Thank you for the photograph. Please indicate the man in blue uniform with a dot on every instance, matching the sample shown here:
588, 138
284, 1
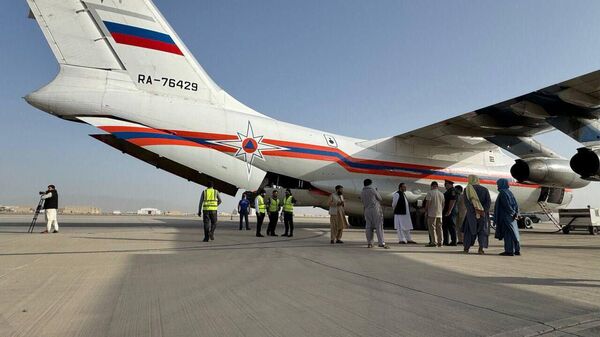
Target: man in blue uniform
243, 210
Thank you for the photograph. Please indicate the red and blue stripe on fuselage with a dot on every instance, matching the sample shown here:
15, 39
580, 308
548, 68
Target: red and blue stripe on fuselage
151, 137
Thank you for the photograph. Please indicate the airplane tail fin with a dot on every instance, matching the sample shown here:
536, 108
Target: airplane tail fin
131, 37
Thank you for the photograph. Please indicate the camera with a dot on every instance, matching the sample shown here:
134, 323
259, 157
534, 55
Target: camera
41, 193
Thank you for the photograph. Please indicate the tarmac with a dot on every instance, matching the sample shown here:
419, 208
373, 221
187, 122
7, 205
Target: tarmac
152, 276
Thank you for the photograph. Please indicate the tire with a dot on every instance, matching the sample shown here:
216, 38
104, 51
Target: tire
593, 230
528, 223
536, 219
356, 221
566, 229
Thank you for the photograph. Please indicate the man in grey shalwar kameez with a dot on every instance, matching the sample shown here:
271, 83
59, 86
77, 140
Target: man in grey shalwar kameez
371, 200
477, 220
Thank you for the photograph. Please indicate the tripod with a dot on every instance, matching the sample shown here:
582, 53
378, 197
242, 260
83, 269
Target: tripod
35, 216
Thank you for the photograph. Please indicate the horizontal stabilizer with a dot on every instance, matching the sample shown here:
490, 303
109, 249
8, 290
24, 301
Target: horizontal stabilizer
183, 157
165, 164
73, 36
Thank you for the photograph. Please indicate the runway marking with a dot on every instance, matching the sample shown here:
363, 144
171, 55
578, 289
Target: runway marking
20, 267
581, 320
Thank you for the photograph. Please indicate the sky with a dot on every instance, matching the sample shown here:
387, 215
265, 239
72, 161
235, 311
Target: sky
366, 69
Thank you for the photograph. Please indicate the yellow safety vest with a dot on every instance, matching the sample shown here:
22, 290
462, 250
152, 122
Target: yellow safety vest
262, 208
288, 206
210, 201
274, 205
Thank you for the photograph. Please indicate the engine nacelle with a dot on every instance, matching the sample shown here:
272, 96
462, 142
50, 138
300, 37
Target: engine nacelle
586, 163
547, 172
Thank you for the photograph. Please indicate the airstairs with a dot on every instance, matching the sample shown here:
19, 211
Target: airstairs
548, 212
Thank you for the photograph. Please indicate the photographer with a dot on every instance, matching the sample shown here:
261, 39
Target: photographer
50, 208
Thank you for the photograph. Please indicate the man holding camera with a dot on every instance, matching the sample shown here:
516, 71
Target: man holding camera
50, 208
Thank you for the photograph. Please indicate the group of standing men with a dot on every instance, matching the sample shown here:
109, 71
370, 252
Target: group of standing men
272, 206
468, 215
210, 200
454, 212
373, 213
441, 213
452, 217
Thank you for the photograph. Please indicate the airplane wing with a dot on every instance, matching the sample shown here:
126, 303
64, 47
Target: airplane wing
571, 106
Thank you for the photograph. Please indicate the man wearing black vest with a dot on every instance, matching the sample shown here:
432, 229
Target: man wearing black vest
273, 207
50, 208
448, 226
402, 220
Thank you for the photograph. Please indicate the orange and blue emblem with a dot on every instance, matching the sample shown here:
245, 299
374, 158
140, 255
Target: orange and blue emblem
249, 145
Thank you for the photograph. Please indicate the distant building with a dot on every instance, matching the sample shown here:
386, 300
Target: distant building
19, 209
149, 211
86, 210
174, 213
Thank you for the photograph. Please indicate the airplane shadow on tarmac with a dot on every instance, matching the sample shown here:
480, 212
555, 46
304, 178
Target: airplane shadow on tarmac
559, 282
311, 288
305, 287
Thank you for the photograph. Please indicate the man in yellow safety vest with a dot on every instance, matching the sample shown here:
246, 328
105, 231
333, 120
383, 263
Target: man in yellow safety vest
261, 211
209, 204
273, 208
288, 213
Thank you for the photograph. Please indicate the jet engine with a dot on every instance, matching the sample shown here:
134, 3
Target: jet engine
547, 172
586, 163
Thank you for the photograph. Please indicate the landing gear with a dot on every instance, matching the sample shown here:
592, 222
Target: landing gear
525, 222
528, 223
593, 230
356, 221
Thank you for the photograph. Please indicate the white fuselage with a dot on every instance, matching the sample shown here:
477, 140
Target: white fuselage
320, 158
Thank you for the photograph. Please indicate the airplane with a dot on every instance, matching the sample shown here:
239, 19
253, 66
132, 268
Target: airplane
124, 70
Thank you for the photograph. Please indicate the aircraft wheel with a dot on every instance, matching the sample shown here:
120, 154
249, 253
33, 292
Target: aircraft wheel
566, 229
356, 221
528, 223
593, 230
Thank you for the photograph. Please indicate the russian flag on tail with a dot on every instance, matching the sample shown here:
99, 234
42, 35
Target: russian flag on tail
140, 37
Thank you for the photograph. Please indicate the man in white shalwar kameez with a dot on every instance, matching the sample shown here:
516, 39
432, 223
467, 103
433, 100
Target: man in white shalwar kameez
402, 220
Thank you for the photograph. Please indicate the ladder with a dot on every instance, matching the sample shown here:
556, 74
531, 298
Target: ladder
549, 214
